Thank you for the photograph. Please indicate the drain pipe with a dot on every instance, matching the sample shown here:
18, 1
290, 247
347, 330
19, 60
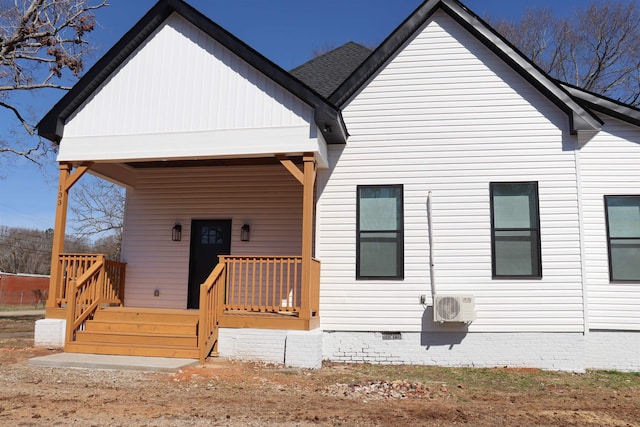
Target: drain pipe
432, 274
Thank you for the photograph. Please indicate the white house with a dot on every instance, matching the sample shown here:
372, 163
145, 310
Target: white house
439, 200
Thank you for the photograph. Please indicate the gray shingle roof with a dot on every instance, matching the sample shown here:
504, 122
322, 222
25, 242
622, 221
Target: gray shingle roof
326, 72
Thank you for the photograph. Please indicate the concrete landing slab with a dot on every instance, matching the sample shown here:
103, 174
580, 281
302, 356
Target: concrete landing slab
103, 361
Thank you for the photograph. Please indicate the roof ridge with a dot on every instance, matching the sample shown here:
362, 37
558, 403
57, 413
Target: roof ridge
326, 72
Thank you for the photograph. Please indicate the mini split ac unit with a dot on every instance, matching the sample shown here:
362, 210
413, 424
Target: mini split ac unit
454, 308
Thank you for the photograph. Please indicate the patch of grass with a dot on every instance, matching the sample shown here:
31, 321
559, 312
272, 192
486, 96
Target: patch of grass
19, 308
506, 380
615, 380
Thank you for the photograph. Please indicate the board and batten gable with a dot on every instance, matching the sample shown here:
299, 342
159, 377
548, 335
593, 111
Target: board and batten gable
609, 164
182, 94
446, 115
267, 197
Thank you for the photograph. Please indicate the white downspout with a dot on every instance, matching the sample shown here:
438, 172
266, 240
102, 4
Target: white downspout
583, 262
432, 273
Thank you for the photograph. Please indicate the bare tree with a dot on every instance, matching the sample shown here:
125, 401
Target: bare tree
28, 251
24, 251
597, 48
42, 42
97, 208
109, 245
325, 48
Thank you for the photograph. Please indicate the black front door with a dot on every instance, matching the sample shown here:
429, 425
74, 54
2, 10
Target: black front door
209, 238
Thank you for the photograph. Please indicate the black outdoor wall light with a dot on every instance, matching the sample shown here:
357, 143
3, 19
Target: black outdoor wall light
245, 233
176, 233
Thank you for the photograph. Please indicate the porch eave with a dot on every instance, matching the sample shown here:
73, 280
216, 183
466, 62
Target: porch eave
198, 145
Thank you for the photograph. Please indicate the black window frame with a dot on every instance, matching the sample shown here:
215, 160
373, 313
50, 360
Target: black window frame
609, 238
399, 235
536, 229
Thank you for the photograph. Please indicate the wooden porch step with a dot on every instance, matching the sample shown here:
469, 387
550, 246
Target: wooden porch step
147, 315
139, 332
138, 338
141, 327
129, 350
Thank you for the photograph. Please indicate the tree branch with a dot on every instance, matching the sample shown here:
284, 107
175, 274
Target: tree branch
25, 124
27, 154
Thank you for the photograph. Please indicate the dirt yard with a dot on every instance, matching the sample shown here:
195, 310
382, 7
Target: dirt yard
230, 393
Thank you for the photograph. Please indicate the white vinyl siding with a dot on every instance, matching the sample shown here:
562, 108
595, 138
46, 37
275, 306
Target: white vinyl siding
181, 80
182, 83
446, 115
609, 165
266, 197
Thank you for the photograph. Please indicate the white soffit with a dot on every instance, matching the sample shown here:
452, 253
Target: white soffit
194, 145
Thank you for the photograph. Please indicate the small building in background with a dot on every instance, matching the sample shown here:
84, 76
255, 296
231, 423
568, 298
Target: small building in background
23, 289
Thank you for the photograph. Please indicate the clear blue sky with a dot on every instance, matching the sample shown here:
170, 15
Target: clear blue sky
285, 31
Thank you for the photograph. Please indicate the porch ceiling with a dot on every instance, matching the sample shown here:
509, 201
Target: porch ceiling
125, 173
211, 162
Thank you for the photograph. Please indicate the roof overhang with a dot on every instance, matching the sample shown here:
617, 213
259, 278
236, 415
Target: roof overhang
327, 116
603, 104
580, 119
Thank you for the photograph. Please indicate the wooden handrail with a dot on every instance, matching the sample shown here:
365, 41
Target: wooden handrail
258, 284
100, 282
84, 295
211, 296
70, 268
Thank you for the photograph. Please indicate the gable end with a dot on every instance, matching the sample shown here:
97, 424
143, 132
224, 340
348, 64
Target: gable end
327, 116
579, 118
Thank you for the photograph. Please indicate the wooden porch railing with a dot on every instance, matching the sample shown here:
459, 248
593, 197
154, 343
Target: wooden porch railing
100, 282
211, 298
263, 284
254, 284
73, 266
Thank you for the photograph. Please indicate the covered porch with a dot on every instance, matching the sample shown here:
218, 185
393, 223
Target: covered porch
204, 150
89, 291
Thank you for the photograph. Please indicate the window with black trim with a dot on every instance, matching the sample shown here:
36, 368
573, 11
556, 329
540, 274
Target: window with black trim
515, 230
379, 232
623, 237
